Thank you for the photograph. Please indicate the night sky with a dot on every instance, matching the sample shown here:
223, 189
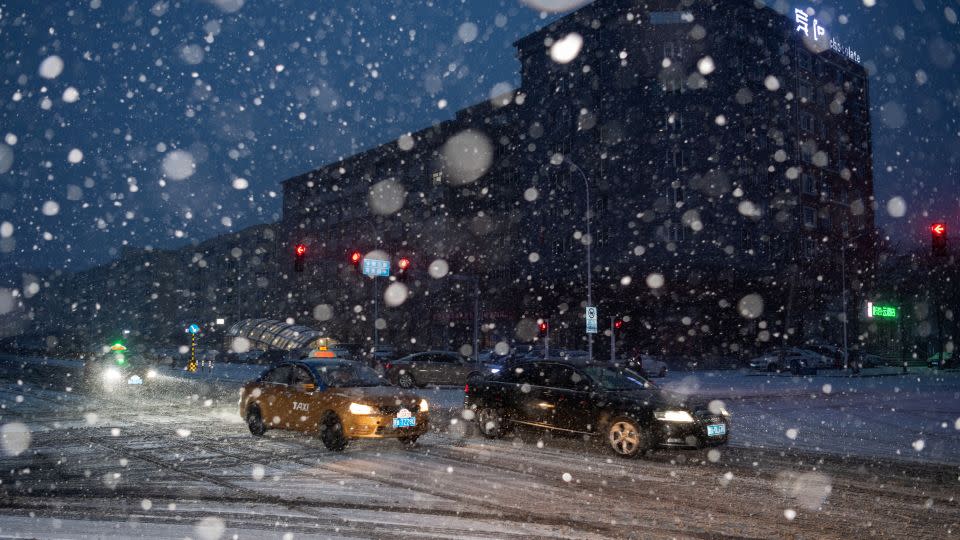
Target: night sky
258, 91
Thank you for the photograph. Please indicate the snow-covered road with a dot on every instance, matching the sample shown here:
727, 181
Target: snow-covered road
180, 463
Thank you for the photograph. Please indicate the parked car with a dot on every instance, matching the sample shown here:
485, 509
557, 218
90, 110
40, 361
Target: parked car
948, 361
652, 367
789, 358
431, 367
617, 404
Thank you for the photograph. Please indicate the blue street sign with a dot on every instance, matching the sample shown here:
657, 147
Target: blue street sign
591, 319
193, 329
376, 268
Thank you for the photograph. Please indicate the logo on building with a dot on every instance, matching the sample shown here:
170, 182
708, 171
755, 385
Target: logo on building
811, 28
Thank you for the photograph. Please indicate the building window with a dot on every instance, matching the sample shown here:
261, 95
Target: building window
809, 248
806, 121
676, 194
674, 232
668, 49
809, 184
674, 122
806, 92
809, 217
826, 222
675, 158
437, 177
805, 60
670, 17
673, 83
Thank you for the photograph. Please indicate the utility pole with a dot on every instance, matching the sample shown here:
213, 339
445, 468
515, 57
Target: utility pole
613, 339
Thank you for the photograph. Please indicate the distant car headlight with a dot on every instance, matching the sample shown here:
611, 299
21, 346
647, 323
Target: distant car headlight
673, 416
152, 374
494, 370
360, 409
724, 412
424, 406
111, 374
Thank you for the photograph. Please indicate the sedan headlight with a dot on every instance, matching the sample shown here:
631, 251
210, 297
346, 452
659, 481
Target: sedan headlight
673, 416
360, 409
111, 374
424, 406
151, 374
494, 370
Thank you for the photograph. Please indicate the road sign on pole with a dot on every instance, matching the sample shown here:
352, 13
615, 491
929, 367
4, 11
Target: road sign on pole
376, 268
591, 319
193, 330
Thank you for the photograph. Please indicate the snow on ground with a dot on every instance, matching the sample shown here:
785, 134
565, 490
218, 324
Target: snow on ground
178, 462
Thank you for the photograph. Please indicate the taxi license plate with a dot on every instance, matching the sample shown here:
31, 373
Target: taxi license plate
716, 430
135, 380
404, 422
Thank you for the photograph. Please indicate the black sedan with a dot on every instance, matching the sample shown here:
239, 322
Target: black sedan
579, 397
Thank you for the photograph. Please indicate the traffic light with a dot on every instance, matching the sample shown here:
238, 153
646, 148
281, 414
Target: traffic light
618, 324
355, 259
402, 266
938, 239
299, 256
544, 326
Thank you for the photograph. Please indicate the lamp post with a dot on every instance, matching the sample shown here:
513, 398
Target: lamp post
843, 282
589, 242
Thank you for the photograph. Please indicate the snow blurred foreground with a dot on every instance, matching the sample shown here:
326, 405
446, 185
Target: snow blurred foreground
809, 454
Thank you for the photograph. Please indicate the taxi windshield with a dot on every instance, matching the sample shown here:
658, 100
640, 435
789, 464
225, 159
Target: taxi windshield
618, 379
348, 375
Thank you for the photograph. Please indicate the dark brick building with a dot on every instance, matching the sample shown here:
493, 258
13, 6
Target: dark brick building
728, 159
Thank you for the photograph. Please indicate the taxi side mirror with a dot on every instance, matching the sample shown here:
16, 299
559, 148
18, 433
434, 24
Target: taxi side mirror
306, 387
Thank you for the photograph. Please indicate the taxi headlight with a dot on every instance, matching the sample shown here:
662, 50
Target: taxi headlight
724, 412
151, 374
360, 409
111, 374
424, 406
673, 416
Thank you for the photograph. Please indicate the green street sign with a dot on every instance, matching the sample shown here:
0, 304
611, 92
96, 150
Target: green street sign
876, 311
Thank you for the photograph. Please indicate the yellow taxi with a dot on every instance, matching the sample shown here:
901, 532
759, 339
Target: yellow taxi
337, 399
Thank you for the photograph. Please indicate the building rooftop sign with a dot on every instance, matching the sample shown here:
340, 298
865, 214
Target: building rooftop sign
811, 29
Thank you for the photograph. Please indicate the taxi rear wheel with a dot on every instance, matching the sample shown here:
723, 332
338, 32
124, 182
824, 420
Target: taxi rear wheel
331, 433
405, 380
255, 422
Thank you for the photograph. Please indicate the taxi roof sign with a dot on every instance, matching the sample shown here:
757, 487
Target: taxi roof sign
117, 347
323, 353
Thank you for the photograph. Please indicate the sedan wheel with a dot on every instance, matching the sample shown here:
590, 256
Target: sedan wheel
406, 380
490, 422
627, 438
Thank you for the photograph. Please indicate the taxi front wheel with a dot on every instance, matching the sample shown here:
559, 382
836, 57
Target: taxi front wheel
331, 433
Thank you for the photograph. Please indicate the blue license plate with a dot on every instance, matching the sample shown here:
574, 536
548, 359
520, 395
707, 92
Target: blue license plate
404, 422
716, 430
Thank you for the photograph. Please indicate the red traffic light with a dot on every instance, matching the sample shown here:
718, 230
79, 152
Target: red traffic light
356, 257
938, 229
617, 324
403, 263
300, 250
544, 326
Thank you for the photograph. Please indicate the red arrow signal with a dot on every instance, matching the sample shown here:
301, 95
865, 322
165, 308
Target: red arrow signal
939, 229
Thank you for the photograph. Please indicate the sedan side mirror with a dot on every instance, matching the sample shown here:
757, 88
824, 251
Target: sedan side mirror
306, 387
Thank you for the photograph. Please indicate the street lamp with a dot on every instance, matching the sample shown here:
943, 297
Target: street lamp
843, 281
589, 242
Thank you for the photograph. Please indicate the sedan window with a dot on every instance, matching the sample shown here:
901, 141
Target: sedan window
278, 375
618, 379
349, 375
